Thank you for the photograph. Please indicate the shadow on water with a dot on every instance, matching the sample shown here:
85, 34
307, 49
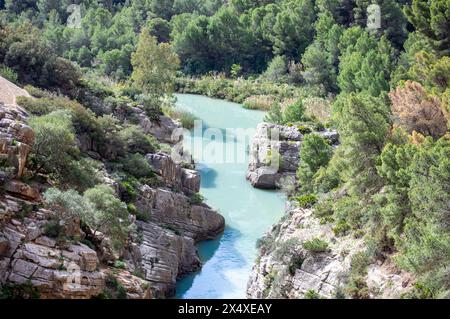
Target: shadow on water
208, 175
215, 256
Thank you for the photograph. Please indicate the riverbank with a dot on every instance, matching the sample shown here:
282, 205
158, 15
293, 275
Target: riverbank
251, 93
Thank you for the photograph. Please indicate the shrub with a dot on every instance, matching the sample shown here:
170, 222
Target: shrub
259, 102
316, 245
128, 190
286, 248
137, 166
136, 141
54, 143
274, 115
19, 291
38, 93
109, 214
294, 112
306, 201
120, 264
196, 199
187, 119
276, 70
53, 229
312, 294
418, 111
304, 129
9, 74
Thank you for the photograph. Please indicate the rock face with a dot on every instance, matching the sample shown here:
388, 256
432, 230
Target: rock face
174, 210
165, 256
272, 160
16, 138
172, 228
55, 270
160, 247
174, 175
285, 269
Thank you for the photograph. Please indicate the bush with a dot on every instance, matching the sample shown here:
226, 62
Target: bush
312, 294
286, 249
136, 141
53, 229
54, 143
316, 245
19, 291
9, 74
109, 215
186, 118
259, 102
128, 190
276, 70
137, 166
196, 199
306, 201
294, 112
120, 264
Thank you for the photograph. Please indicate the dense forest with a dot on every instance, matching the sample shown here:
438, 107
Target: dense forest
307, 62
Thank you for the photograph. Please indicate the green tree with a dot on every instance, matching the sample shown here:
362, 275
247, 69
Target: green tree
276, 70
154, 66
160, 29
109, 216
365, 63
294, 112
293, 30
54, 142
315, 153
432, 19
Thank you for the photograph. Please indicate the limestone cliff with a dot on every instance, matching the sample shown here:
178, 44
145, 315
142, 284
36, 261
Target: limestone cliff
84, 264
287, 268
301, 257
274, 154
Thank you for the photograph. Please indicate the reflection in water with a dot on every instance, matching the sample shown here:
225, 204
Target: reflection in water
249, 212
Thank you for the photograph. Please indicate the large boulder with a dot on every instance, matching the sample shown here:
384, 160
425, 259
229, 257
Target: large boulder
275, 154
173, 174
174, 210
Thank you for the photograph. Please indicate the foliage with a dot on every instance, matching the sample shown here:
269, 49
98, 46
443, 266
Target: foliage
110, 215
196, 199
294, 112
98, 208
306, 201
315, 245
418, 111
19, 291
154, 65
312, 294
315, 153
8, 74
136, 165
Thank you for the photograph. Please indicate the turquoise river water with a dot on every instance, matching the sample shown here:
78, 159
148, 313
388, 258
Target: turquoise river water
248, 212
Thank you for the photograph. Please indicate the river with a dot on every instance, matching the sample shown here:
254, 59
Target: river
248, 212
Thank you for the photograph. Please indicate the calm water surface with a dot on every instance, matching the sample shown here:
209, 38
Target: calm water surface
249, 212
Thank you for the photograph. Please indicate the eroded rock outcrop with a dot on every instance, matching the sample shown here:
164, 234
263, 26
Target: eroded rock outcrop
166, 256
173, 174
285, 269
274, 154
54, 269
